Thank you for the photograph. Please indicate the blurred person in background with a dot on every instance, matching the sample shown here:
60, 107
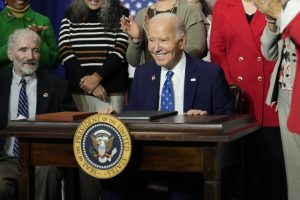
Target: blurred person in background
206, 8
92, 49
18, 15
237, 26
281, 42
136, 28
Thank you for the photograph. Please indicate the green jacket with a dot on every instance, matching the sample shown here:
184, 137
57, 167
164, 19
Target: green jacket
9, 23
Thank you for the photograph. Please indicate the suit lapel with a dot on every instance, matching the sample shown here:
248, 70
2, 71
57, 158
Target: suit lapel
257, 25
235, 15
155, 85
5, 91
190, 84
43, 94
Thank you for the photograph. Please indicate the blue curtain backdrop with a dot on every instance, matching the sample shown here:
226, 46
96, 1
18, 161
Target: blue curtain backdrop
54, 9
1, 5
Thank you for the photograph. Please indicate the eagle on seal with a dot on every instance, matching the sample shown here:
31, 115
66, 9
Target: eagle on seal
102, 143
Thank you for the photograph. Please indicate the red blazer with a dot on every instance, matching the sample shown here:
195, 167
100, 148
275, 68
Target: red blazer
292, 31
235, 46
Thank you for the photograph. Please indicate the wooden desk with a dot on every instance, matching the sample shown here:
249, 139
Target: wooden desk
177, 144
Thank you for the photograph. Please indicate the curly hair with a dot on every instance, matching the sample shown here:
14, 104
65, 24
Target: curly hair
109, 14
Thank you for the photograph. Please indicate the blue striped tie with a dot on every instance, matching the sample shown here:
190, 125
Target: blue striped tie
167, 94
22, 110
23, 100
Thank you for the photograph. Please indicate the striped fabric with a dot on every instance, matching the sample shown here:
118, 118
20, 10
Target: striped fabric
90, 43
23, 101
22, 111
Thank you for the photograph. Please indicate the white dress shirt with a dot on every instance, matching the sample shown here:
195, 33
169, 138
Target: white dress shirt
178, 83
31, 90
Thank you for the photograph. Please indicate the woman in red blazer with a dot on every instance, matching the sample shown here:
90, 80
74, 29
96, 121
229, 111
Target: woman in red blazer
235, 45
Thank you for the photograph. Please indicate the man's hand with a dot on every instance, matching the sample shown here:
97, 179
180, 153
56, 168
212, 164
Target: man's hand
196, 112
100, 93
89, 83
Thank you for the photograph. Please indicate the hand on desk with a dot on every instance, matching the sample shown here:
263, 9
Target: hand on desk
196, 112
107, 111
190, 112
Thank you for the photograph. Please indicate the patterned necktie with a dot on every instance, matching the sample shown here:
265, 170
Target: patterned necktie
23, 100
22, 110
167, 94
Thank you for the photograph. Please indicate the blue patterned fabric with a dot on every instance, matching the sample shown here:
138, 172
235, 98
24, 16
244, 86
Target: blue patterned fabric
23, 101
22, 111
167, 94
135, 5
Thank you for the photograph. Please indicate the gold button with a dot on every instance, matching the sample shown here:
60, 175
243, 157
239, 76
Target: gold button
241, 59
258, 58
239, 78
259, 78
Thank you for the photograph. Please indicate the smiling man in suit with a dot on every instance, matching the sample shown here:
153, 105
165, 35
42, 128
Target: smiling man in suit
199, 87
41, 93
172, 81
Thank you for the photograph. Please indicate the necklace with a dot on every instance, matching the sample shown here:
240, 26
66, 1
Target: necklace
170, 11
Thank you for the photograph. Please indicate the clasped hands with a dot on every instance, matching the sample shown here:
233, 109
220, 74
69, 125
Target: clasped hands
91, 85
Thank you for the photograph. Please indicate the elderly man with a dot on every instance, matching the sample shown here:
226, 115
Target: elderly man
25, 92
174, 81
197, 87
19, 15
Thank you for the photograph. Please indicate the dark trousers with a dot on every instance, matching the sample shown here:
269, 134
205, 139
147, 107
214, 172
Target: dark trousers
264, 166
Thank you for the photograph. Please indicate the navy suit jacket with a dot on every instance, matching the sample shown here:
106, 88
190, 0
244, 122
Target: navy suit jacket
54, 87
209, 91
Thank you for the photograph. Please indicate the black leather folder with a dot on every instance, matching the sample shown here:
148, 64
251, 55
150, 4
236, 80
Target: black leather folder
144, 115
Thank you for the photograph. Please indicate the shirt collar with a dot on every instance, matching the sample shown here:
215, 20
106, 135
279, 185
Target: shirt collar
17, 78
179, 68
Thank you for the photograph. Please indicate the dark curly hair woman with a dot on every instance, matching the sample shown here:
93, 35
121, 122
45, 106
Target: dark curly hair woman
92, 48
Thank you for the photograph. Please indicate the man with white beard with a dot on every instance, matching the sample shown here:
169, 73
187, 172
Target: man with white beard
44, 93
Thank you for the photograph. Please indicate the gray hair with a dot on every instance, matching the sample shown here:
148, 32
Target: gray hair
109, 14
179, 24
21, 33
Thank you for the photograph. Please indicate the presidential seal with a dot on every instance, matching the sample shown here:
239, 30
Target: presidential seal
102, 146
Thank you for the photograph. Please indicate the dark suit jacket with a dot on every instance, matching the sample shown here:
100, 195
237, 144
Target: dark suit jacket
55, 87
208, 92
